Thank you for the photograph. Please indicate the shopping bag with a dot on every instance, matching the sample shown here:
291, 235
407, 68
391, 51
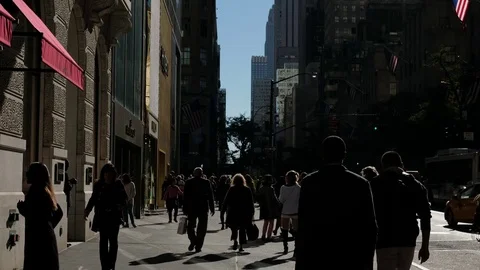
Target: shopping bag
252, 232
182, 226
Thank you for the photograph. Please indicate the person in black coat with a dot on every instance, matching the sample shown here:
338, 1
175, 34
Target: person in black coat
239, 206
336, 216
42, 214
198, 199
109, 198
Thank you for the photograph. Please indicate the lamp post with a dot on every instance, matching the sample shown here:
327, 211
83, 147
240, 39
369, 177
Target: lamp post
272, 117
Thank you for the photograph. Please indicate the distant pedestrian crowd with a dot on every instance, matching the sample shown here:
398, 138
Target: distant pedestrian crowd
333, 214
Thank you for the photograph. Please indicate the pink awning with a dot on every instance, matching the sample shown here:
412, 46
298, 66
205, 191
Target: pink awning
53, 53
5, 26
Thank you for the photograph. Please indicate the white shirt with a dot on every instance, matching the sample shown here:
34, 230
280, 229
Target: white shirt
289, 197
130, 190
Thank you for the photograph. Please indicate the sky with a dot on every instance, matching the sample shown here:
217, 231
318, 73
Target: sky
241, 34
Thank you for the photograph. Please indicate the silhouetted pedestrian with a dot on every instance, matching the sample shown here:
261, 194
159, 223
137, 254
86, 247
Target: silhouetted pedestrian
336, 217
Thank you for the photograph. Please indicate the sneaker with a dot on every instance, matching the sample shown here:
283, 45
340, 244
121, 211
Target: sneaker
134, 226
241, 249
191, 247
175, 219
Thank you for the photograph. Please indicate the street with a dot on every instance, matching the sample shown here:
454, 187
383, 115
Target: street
154, 244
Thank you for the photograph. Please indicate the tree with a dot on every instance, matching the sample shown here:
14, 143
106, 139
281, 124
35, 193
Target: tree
240, 133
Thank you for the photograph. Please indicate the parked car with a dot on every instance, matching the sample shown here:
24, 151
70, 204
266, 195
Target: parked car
462, 206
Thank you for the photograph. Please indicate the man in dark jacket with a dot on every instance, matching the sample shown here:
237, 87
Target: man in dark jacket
399, 198
336, 217
198, 199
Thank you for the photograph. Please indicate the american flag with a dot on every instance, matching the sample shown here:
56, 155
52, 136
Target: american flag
393, 62
193, 113
461, 7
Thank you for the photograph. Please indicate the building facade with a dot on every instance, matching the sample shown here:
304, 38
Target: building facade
200, 84
169, 96
128, 102
47, 118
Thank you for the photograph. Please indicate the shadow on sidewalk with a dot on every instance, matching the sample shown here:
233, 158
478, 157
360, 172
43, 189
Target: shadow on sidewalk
152, 224
162, 258
210, 258
268, 262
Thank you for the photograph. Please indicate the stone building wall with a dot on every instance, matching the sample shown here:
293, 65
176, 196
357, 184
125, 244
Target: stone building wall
68, 124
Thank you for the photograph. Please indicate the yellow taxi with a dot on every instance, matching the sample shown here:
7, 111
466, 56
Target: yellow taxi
462, 206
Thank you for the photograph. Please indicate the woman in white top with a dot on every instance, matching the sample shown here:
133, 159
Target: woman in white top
289, 197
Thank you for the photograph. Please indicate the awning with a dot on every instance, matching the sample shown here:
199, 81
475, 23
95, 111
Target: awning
53, 53
5, 26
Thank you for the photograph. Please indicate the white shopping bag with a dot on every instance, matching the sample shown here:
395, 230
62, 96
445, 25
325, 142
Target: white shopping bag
182, 226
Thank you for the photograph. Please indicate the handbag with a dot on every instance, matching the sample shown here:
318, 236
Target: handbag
252, 232
95, 224
182, 226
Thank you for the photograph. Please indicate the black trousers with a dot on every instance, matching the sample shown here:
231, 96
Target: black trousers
197, 237
172, 206
239, 233
108, 253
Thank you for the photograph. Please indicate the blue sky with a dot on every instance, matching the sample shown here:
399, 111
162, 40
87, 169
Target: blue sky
241, 34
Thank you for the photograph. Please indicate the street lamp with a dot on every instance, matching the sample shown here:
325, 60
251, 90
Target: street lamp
272, 121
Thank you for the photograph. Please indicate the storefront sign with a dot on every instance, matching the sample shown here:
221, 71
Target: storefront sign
129, 130
152, 126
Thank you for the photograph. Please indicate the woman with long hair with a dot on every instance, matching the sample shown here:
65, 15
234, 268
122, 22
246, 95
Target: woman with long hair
131, 192
239, 206
250, 183
269, 206
289, 197
108, 198
42, 214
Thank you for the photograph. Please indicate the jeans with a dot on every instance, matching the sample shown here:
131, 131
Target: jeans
108, 254
172, 206
128, 211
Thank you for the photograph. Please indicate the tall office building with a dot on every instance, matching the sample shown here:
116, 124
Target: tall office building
259, 68
270, 43
200, 84
341, 19
286, 23
260, 89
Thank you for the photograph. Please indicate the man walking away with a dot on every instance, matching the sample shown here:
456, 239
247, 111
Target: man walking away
336, 217
399, 198
198, 199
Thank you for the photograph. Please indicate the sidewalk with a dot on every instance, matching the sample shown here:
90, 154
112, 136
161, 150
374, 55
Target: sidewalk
155, 244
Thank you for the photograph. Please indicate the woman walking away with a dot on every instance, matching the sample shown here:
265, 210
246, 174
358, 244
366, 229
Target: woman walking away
131, 192
172, 195
108, 198
223, 186
42, 214
269, 206
289, 197
369, 173
240, 209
